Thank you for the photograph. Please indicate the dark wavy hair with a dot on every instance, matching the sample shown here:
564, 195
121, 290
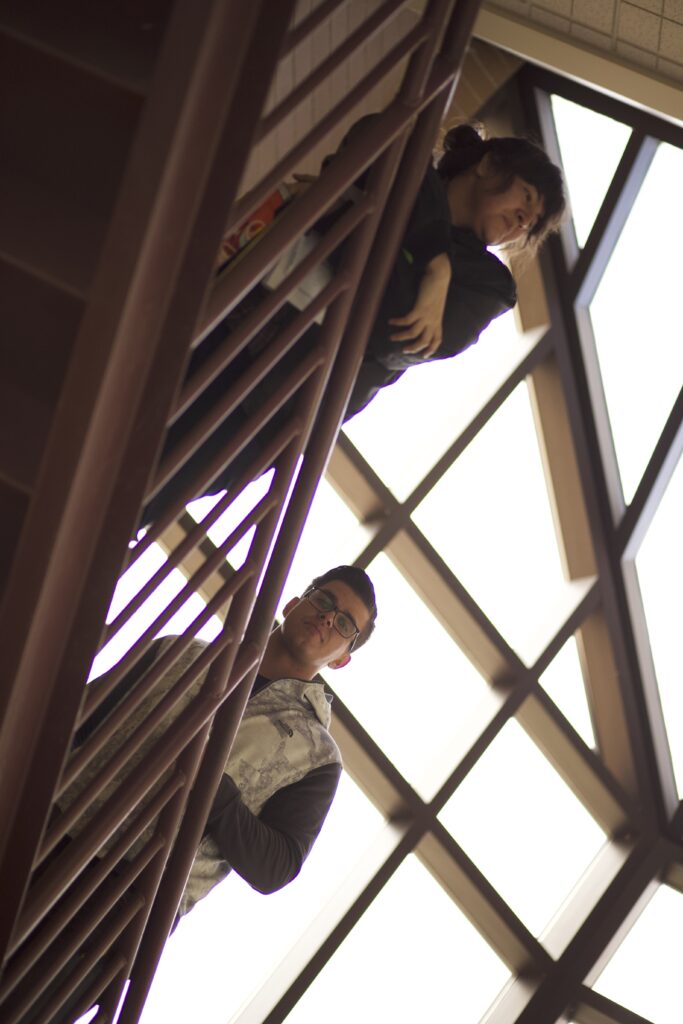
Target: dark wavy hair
361, 584
511, 157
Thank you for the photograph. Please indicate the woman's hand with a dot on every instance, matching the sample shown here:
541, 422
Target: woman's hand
423, 325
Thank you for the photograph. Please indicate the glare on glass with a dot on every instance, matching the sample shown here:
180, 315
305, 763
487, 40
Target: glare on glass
490, 520
581, 131
523, 827
637, 320
413, 956
411, 686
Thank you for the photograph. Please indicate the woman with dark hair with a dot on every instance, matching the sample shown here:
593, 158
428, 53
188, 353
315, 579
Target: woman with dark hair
446, 286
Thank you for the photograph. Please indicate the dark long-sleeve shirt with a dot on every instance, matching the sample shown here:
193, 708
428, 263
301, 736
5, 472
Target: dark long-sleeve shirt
481, 288
268, 849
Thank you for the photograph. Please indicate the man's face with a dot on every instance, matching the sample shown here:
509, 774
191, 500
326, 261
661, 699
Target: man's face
310, 635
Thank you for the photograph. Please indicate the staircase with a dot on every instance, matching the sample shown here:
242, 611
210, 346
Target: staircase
136, 135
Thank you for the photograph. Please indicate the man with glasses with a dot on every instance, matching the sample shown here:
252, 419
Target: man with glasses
282, 773
284, 767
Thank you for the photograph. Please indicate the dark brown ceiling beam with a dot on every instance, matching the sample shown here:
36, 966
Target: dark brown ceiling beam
602, 103
117, 44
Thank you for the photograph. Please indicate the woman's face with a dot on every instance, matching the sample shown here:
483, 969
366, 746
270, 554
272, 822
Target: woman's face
499, 218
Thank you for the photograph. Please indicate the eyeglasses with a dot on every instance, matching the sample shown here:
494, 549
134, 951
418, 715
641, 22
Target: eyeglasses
342, 622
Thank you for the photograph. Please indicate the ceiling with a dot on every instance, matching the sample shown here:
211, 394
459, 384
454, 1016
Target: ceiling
646, 35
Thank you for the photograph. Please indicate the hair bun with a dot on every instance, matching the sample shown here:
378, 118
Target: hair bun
462, 146
462, 136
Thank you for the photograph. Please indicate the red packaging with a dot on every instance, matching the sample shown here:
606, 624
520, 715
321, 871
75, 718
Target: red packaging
255, 225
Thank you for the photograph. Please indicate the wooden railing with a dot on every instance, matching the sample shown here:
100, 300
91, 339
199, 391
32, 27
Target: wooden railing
89, 898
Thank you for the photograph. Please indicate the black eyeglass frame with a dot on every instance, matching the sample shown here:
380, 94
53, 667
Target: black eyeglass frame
337, 611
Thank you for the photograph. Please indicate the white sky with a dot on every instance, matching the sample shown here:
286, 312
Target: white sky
413, 689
